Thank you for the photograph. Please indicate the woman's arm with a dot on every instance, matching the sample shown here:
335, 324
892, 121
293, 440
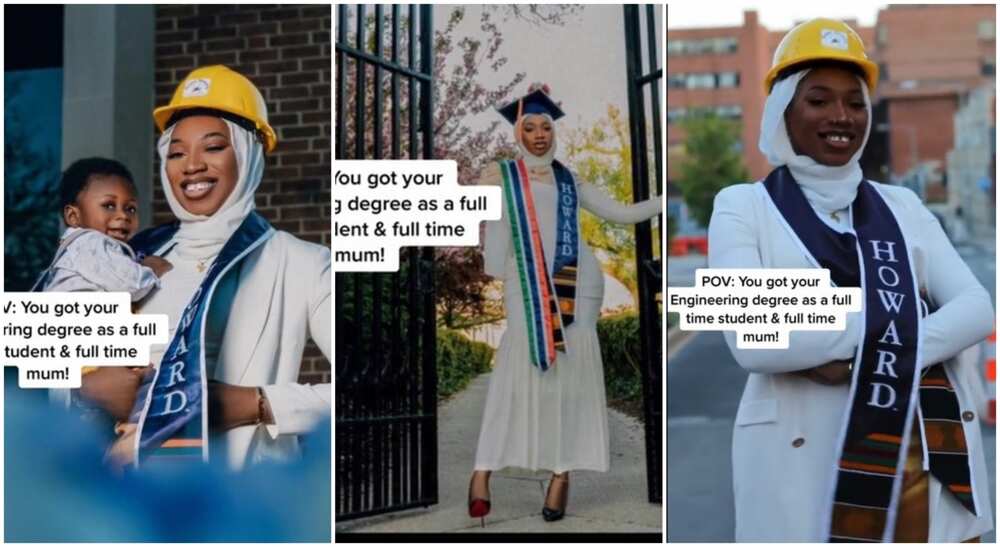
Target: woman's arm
496, 238
596, 201
732, 236
964, 315
297, 408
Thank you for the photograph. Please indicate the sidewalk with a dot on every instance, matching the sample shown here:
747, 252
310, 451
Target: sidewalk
599, 502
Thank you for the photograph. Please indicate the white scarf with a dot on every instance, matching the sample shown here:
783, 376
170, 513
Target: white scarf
530, 159
201, 237
828, 188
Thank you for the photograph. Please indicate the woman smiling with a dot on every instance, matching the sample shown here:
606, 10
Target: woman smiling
865, 434
241, 300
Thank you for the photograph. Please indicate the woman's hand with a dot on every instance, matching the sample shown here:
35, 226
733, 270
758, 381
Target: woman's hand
232, 406
113, 389
829, 374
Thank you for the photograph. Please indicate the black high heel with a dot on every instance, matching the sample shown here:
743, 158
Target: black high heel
562, 497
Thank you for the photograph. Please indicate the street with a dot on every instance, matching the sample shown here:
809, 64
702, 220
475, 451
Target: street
704, 385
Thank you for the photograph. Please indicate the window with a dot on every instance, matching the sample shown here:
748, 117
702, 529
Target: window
989, 67
729, 79
724, 45
882, 35
677, 81
706, 46
702, 80
732, 111
987, 29
729, 111
675, 115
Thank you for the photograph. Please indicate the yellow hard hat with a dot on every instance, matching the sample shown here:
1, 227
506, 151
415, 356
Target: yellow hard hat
219, 88
821, 39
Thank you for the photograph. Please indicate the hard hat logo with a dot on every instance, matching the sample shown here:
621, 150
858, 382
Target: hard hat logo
221, 89
197, 87
820, 40
834, 39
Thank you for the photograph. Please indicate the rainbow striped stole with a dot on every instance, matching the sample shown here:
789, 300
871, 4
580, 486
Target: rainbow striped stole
549, 300
171, 408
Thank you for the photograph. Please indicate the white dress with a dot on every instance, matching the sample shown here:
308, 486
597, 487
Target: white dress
554, 420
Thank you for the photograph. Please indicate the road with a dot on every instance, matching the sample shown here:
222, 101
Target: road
704, 384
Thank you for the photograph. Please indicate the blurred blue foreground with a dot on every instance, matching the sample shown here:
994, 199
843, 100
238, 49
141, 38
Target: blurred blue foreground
57, 490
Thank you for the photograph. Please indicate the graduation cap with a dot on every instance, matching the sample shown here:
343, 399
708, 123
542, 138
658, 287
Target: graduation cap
535, 102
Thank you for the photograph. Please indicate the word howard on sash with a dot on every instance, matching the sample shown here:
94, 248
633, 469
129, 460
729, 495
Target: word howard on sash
882, 390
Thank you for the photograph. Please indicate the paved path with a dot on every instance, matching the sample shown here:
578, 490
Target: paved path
599, 502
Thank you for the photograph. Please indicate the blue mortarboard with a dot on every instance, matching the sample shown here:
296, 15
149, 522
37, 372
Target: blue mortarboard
536, 102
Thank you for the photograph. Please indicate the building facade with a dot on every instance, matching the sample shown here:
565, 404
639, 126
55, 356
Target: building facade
931, 57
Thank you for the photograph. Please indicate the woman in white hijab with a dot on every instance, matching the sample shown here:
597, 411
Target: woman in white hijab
241, 299
865, 434
546, 407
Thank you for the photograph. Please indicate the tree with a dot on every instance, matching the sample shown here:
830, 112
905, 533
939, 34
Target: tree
602, 155
710, 162
31, 198
463, 291
462, 286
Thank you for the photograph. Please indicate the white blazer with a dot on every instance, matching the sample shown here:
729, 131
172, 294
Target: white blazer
282, 300
786, 426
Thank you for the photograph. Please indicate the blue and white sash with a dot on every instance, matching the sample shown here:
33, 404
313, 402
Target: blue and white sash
865, 488
171, 405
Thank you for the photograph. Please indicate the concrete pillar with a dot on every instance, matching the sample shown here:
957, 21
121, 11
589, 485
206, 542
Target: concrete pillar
108, 90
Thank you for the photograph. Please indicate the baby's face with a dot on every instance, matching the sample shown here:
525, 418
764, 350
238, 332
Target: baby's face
108, 205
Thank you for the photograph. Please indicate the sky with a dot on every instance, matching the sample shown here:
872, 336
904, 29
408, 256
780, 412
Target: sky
773, 15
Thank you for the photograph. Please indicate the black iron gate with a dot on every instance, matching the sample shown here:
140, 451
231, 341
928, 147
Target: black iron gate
386, 395
643, 81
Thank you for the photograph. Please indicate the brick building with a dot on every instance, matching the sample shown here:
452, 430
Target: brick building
285, 51
118, 62
931, 57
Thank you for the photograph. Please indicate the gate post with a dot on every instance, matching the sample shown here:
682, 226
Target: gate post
648, 268
386, 400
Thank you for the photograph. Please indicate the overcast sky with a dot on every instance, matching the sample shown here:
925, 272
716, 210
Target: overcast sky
773, 15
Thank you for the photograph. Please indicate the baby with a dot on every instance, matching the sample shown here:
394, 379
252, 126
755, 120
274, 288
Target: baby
98, 199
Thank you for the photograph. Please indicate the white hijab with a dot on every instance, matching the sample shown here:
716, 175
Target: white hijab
828, 188
530, 159
201, 237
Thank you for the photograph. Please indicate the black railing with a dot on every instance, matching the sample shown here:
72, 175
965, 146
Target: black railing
386, 397
643, 80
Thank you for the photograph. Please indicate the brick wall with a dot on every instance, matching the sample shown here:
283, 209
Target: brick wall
285, 51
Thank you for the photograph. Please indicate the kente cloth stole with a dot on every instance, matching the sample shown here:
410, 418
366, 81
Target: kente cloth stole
865, 486
945, 437
171, 407
549, 299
